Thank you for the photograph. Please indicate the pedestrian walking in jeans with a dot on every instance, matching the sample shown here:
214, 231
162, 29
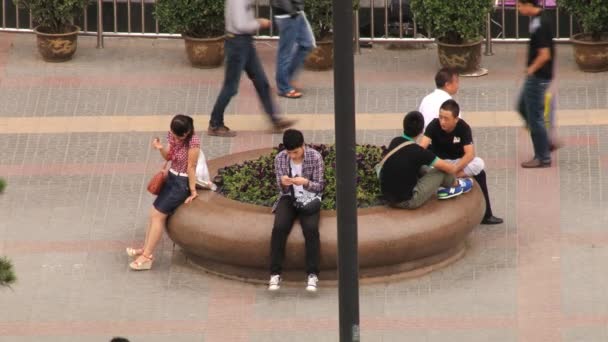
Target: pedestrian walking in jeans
295, 42
241, 55
299, 172
539, 73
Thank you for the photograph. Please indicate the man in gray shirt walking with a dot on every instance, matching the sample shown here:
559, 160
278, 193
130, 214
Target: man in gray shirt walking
241, 54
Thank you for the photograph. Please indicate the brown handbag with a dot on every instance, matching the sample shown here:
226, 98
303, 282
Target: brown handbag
158, 180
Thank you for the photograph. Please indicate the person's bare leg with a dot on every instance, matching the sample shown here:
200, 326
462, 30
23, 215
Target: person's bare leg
155, 232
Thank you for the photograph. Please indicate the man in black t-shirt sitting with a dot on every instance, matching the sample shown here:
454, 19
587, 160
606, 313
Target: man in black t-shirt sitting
451, 138
412, 175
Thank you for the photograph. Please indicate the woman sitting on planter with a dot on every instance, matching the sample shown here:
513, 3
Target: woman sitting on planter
180, 186
299, 172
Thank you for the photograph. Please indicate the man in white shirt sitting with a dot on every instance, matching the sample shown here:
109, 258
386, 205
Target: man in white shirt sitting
447, 83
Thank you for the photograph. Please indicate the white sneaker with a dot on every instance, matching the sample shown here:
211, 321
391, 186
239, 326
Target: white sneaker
311, 283
274, 283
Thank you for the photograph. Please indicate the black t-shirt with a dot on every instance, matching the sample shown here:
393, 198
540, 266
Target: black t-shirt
541, 36
449, 145
400, 172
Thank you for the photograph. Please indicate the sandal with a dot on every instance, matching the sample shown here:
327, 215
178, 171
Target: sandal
134, 252
142, 265
292, 94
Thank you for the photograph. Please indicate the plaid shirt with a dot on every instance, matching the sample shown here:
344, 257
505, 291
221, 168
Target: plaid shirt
312, 169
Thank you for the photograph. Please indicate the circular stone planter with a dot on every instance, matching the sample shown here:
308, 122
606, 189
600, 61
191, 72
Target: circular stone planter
232, 239
466, 58
57, 47
322, 57
205, 53
590, 56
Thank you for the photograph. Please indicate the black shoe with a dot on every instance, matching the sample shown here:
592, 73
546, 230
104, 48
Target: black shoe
491, 220
535, 163
220, 131
281, 124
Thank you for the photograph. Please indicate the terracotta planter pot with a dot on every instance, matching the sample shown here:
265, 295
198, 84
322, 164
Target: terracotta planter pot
590, 56
205, 52
56, 47
322, 57
466, 58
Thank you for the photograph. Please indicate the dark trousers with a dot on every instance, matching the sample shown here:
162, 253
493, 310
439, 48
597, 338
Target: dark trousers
241, 55
531, 106
483, 185
284, 218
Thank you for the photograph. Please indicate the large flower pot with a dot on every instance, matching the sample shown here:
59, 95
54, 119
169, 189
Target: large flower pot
56, 47
466, 58
591, 56
322, 57
232, 239
205, 52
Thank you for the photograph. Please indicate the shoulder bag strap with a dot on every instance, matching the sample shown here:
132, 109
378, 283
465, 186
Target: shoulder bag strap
381, 164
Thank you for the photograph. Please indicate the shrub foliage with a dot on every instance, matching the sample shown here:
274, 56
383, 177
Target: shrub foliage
254, 181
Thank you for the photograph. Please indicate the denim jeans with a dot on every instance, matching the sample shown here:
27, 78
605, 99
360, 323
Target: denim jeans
284, 218
241, 55
295, 42
531, 106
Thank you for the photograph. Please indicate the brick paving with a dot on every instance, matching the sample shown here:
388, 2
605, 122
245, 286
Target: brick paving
76, 199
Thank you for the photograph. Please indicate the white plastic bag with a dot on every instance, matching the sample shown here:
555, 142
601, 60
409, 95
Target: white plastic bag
202, 173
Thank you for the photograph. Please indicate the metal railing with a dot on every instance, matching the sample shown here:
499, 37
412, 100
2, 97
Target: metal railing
379, 21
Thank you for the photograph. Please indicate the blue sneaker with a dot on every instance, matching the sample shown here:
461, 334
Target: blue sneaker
466, 184
445, 193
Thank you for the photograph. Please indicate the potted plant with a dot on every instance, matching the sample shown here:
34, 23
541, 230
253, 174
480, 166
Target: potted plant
7, 275
56, 34
201, 23
591, 46
319, 14
458, 29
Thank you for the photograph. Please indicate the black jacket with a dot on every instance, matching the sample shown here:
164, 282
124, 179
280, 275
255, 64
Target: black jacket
290, 7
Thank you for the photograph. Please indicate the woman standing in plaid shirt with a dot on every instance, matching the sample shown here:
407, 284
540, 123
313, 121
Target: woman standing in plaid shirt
299, 172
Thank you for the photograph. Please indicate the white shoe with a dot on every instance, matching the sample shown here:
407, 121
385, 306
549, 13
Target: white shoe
274, 283
311, 283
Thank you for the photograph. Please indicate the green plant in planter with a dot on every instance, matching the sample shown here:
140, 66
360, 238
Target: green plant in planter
54, 16
2, 185
591, 14
7, 274
255, 181
193, 18
319, 14
451, 22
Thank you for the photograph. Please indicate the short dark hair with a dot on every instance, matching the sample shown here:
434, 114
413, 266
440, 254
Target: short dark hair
183, 125
452, 107
444, 75
413, 123
292, 139
536, 3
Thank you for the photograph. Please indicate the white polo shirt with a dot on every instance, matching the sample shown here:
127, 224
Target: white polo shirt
429, 107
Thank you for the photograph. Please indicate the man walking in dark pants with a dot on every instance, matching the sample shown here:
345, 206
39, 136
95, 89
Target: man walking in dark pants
295, 42
241, 55
539, 73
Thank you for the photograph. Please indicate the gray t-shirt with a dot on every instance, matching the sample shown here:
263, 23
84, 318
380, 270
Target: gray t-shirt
240, 17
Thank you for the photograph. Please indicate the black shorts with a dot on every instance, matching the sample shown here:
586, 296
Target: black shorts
173, 194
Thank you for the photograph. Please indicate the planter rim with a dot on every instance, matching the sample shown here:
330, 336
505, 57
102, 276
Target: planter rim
256, 207
476, 42
575, 39
212, 39
75, 31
